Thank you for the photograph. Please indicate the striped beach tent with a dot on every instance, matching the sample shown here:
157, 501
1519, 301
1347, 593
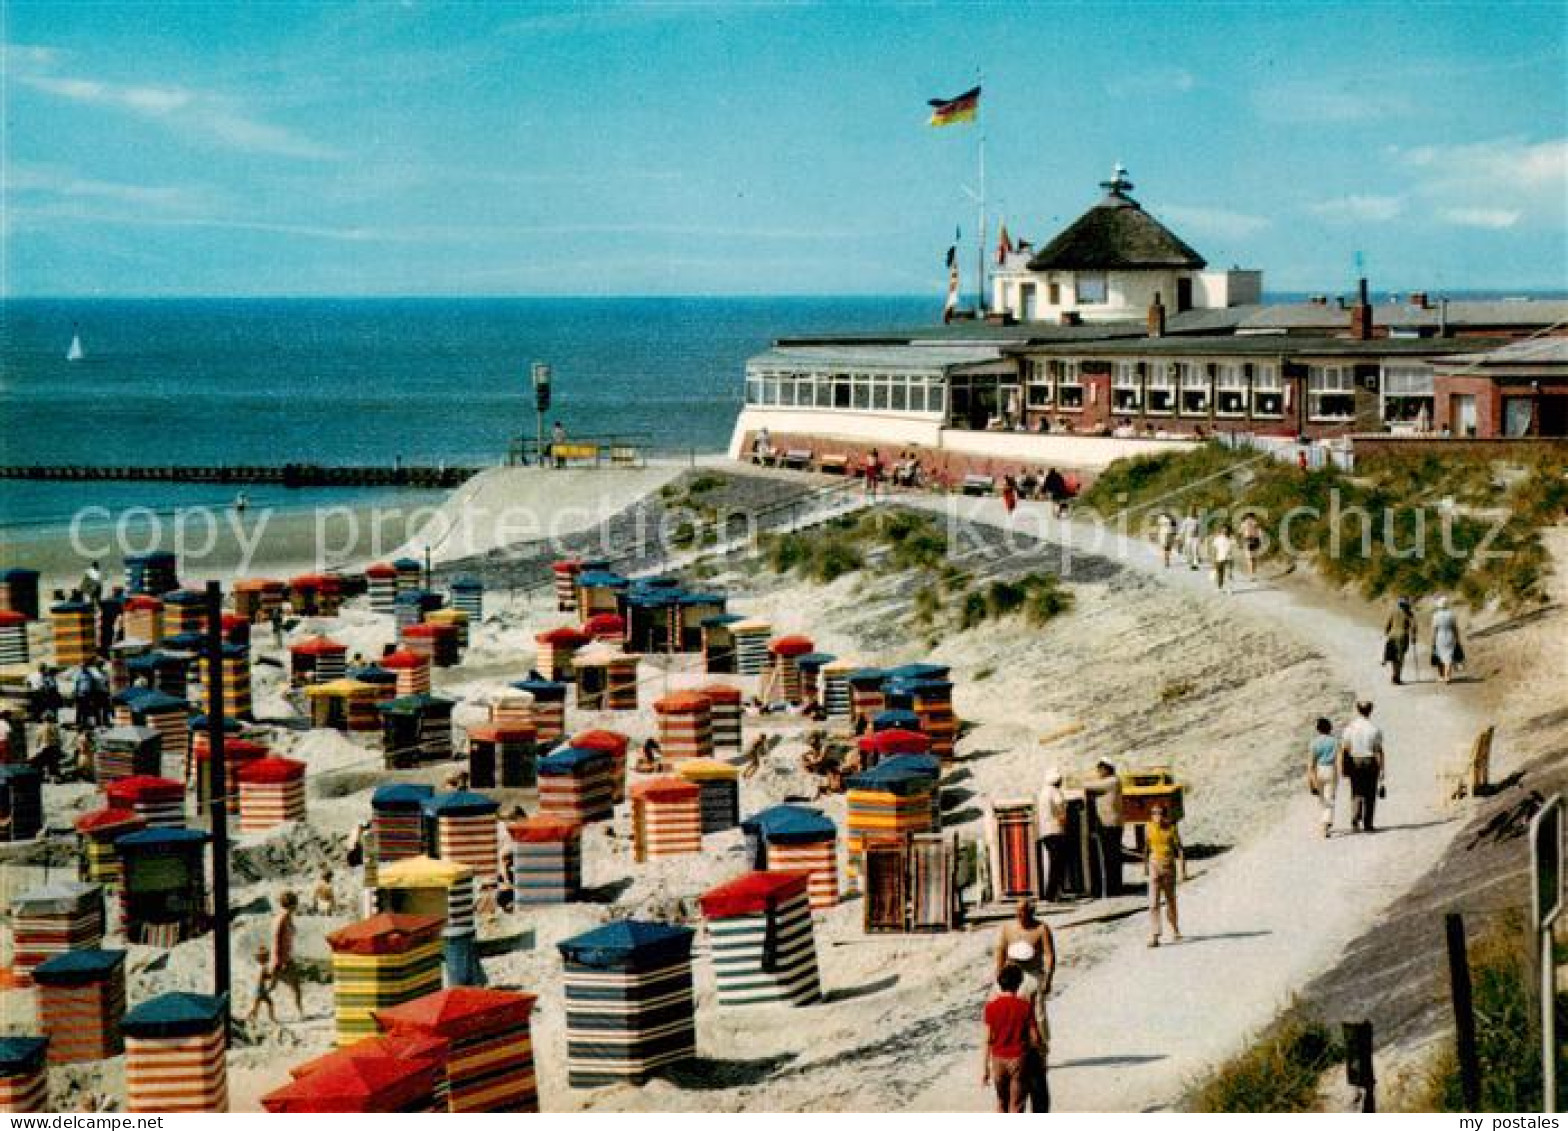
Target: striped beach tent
764, 952
397, 821
159, 802
666, 818
502, 755
81, 1001
576, 785
380, 962
795, 838
718, 643
176, 1054
878, 745
547, 860
549, 707
463, 827
614, 744
720, 786
24, 1077
163, 885
54, 919
271, 793
13, 638
685, 721
490, 1058
629, 1004
96, 833
126, 752
22, 790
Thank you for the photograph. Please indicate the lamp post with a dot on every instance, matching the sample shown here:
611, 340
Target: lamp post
541, 378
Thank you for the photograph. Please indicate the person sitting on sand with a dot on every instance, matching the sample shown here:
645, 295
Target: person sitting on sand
324, 900
652, 760
457, 781
813, 709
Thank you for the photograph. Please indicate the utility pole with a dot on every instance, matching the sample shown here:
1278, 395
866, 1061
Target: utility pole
218, 809
541, 378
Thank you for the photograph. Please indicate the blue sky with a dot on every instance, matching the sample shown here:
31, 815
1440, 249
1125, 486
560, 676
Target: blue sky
414, 148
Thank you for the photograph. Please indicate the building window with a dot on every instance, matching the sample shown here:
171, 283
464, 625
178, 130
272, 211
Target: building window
1194, 380
1054, 294
1230, 394
841, 390
1162, 389
879, 392
1069, 385
1040, 392
1127, 386
1331, 393
1409, 397
1268, 391
1028, 296
1092, 290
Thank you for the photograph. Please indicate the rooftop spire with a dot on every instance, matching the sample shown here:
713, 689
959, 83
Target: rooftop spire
1118, 186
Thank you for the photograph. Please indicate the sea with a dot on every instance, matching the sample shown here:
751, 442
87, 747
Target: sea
367, 381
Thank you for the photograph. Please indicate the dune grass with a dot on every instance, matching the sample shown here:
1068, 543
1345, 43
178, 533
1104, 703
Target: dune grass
1279, 1073
1414, 525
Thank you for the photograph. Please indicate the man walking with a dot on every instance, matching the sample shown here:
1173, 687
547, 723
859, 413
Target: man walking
1399, 636
1191, 534
1106, 790
1361, 745
1053, 833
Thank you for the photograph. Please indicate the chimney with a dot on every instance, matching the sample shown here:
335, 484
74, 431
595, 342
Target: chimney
1420, 301
1156, 317
1318, 300
1361, 314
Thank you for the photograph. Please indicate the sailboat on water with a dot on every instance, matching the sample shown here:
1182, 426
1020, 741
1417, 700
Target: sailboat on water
75, 352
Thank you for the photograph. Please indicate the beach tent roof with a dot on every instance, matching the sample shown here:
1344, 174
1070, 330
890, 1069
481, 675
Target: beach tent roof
610, 741
502, 732
75, 967
153, 840
110, 818
543, 690
461, 803
173, 1015
543, 830
666, 789
22, 1055
421, 872
752, 894
142, 787
569, 760
706, 769
896, 741
791, 824
386, 934
460, 1012
629, 941
405, 795
265, 771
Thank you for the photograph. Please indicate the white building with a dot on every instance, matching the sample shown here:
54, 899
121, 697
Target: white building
1110, 265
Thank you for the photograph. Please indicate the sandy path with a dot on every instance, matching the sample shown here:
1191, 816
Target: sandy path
1136, 1028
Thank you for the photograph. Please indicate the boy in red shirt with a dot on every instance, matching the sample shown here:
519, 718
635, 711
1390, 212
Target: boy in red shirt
1010, 1032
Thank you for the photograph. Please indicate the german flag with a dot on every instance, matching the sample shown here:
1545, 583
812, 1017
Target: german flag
951, 111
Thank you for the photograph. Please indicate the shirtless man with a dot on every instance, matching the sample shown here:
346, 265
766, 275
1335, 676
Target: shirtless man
1027, 943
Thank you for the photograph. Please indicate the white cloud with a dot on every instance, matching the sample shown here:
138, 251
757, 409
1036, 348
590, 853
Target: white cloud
1216, 223
193, 113
53, 183
1358, 208
1493, 218
1326, 101
1151, 83
1496, 183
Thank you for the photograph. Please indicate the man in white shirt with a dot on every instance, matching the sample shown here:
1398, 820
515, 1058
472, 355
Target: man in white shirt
1053, 833
1361, 744
1104, 790
1190, 533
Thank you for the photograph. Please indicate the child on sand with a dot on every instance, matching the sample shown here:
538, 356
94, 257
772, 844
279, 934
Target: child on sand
1010, 1033
323, 900
264, 984
285, 968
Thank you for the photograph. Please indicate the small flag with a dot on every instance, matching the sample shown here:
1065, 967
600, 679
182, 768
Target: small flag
952, 293
1004, 246
950, 111
952, 255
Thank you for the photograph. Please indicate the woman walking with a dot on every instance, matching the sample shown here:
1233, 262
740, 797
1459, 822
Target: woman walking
1447, 651
1323, 770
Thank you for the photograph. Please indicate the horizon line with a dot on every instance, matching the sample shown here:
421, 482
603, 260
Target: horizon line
1524, 292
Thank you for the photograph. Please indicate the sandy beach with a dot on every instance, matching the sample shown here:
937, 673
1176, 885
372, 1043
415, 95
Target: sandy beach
1149, 668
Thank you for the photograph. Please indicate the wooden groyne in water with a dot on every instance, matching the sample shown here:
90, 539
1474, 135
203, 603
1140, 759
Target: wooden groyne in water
285, 475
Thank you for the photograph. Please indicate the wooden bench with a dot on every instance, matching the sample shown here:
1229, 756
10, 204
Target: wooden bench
796, 459
832, 464
565, 452
974, 484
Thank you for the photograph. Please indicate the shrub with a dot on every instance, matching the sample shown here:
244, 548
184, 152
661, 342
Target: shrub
1279, 1073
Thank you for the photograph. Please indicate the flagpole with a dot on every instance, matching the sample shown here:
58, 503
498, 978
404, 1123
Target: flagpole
980, 234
